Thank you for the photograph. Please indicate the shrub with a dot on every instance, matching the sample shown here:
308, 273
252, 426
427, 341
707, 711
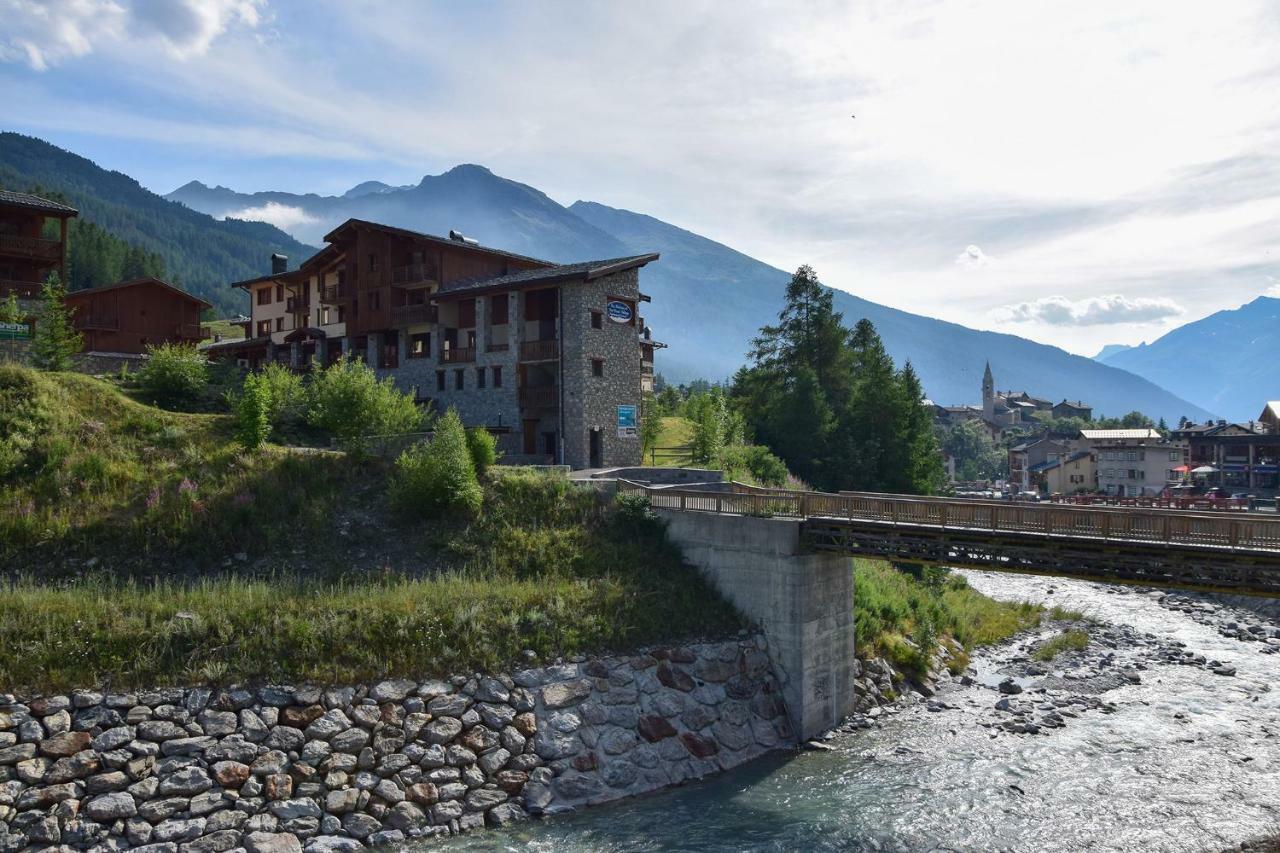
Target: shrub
22, 416
483, 448
349, 403
174, 374
55, 339
288, 397
756, 461
253, 411
439, 475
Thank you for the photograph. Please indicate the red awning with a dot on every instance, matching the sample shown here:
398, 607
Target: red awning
1181, 469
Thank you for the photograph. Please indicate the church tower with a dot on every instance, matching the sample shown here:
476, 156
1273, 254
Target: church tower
988, 395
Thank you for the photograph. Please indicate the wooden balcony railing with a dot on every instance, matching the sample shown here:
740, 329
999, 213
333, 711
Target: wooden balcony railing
190, 331
404, 315
24, 289
411, 274
503, 347
95, 322
547, 397
458, 355
539, 350
30, 247
332, 294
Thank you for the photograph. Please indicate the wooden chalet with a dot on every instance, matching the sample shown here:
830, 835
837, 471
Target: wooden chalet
128, 316
28, 252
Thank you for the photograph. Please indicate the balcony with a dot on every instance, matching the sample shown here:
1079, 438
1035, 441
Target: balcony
191, 331
405, 315
458, 355
96, 322
297, 305
502, 347
540, 350
334, 294
24, 289
547, 397
30, 247
415, 276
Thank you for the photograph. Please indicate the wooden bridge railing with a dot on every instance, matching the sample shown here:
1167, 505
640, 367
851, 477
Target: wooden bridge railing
1217, 530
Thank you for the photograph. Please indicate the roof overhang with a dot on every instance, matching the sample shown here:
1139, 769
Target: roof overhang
137, 282
546, 278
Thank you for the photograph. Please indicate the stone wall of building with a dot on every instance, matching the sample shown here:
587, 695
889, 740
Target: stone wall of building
283, 768
591, 402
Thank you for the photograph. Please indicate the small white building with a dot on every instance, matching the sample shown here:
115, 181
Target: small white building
1133, 462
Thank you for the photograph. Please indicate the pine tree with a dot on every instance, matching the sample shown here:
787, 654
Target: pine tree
55, 340
809, 332
11, 312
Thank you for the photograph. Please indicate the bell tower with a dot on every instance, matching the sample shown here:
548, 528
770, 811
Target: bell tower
988, 395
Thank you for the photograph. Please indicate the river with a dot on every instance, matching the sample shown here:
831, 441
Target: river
1184, 760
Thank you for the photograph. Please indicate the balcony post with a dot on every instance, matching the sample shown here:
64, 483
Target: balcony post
295, 354
373, 350
482, 322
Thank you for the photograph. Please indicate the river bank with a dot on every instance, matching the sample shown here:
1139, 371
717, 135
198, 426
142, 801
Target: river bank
1130, 743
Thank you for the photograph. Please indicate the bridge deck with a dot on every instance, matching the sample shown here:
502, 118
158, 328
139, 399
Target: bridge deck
1237, 551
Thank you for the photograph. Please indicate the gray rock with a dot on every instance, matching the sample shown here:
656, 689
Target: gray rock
178, 829
185, 782
394, 690
332, 844
272, 842
405, 816
449, 705
360, 825
329, 724
113, 738
285, 739
109, 807
482, 799
565, 694
505, 814
290, 809
351, 741
443, 730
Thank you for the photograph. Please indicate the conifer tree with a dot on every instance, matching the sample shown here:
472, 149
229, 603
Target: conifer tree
55, 340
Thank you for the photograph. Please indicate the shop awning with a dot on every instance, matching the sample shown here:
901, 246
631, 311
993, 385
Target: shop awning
1204, 469
1181, 469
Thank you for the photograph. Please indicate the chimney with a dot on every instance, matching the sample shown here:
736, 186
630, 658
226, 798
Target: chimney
279, 263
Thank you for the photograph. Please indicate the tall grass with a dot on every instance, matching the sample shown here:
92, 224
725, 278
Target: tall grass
891, 606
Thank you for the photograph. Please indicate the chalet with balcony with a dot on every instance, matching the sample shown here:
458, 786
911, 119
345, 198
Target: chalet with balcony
33, 243
129, 316
552, 358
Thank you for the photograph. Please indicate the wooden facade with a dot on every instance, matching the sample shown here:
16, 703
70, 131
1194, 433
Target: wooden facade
129, 316
28, 252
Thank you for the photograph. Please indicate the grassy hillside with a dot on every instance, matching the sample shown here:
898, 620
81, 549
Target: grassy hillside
143, 546
202, 253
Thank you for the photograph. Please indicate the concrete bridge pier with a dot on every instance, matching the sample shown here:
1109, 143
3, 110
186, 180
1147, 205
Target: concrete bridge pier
804, 603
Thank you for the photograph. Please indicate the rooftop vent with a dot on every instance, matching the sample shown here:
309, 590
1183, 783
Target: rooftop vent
279, 263
458, 236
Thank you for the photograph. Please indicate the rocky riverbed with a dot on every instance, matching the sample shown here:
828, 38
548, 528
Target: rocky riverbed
1159, 733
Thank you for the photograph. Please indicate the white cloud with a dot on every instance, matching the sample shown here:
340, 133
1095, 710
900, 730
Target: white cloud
282, 216
973, 256
1091, 311
43, 33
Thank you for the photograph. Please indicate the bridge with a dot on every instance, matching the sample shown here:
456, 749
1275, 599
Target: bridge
1233, 551
782, 558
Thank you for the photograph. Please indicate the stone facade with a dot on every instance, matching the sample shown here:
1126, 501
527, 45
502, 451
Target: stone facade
283, 768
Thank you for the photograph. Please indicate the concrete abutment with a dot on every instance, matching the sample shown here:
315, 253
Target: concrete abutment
803, 602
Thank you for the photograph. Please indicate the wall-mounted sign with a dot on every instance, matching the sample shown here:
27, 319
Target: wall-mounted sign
619, 311
627, 422
15, 331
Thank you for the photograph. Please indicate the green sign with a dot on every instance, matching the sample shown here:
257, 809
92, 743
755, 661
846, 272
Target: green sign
15, 331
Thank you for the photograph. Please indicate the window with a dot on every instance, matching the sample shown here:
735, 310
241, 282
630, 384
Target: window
373, 263
1175, 456
498, 310
597, 319
342, 313
375, 300
497, 377
264, 326
279, 293
479, 377
459, 380
420, 345
1133, 456
439, 380
264, 296
324, 316
597, 367
279, 324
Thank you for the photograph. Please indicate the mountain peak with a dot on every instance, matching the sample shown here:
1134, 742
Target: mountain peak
366, 188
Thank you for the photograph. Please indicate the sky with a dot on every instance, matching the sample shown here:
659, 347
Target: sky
1076, 173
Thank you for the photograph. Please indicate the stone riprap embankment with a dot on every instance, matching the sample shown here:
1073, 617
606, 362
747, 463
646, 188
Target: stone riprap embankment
287, 768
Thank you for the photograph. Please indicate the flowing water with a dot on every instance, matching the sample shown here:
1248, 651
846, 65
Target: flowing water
1188, 760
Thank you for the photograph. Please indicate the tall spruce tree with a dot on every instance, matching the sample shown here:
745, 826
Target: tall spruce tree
54, 340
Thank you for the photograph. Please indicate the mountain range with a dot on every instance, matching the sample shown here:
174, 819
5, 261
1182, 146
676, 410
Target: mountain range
1229, 361
709, 300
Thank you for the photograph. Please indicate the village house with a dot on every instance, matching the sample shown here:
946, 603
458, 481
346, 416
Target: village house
1028, 462
1073, 409
1134, 462
1244, 456
1073, 474
127, 317
551, 358
29, 252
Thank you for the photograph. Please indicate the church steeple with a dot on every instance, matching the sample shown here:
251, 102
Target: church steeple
988, 394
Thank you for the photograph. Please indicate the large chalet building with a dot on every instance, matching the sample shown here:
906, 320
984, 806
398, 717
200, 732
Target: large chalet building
551, 358
28, 252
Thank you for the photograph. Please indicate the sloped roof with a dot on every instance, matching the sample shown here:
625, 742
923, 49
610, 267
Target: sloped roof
1075, 404
35, 202
1272, 407
586, 270
332, 236
120, 285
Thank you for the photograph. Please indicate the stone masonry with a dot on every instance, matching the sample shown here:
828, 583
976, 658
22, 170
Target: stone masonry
287, 768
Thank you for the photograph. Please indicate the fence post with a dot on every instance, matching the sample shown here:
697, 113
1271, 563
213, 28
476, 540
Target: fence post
682, 501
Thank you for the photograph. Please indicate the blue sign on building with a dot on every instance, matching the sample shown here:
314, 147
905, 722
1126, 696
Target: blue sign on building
627, 422
619, 311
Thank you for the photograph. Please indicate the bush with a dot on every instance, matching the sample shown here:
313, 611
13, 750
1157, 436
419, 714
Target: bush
439, 475
756, 461
253, 411
349, 403
483, 448
174, 374
22, 417
288, 397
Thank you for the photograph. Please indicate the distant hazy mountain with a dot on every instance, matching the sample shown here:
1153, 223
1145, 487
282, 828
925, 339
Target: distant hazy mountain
1230, 361
1110, 350
201, 253
709, 300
